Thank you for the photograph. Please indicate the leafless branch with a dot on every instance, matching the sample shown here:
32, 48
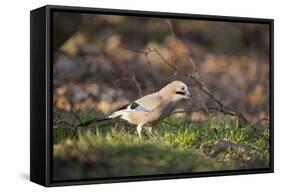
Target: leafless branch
195, 78
212, 110
136, 83
221, 108
144, 52
200, 84
173, 34
171, 29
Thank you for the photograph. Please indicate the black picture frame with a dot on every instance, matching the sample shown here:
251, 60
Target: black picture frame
41, 93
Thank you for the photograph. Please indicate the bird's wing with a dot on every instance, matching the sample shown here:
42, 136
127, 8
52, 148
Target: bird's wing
133, 107
147, 103
150, 102
144, 104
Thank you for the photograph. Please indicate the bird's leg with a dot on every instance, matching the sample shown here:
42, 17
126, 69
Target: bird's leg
155, 132
139, 128
150, 131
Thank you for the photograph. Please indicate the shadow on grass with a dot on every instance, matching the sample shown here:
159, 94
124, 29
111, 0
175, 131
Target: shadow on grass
107, 160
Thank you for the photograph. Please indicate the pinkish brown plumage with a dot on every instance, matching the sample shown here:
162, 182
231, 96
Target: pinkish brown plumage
154, 107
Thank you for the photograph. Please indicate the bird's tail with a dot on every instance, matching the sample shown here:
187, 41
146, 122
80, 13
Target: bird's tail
114, 115
86, 123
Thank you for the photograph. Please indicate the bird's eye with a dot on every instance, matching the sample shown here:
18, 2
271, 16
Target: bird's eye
182, 88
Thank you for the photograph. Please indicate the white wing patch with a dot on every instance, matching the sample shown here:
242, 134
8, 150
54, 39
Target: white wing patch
123, 113
136, 107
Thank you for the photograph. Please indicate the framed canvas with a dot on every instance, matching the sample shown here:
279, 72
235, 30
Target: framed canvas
124, 95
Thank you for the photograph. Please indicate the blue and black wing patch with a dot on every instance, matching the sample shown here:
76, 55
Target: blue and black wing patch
134, 107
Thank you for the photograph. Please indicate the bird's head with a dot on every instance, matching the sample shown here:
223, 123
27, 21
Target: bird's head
177, 90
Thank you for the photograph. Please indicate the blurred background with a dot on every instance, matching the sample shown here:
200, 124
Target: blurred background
99, 63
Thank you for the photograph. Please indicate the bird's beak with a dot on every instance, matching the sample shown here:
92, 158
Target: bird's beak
188, 97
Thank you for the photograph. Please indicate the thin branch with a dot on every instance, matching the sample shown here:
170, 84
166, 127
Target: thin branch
204, 89
195, 78
172, 31
173, 34
200, 84
194, 110
210, 109
133, 50
144, 52
164, 59
201, 100
136, 83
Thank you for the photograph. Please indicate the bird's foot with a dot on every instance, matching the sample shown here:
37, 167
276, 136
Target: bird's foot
152, 133
155, 133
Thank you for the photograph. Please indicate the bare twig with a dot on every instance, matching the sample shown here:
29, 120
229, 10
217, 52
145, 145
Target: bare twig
259, 122
200, 84
201, 100
172, 31
173, 34
145, 53
210, 109
195, 78
195, 110
204, 89
136, 83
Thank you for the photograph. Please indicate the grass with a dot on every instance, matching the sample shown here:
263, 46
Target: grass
182, 146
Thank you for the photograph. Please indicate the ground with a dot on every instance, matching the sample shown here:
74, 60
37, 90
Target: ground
113, 149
